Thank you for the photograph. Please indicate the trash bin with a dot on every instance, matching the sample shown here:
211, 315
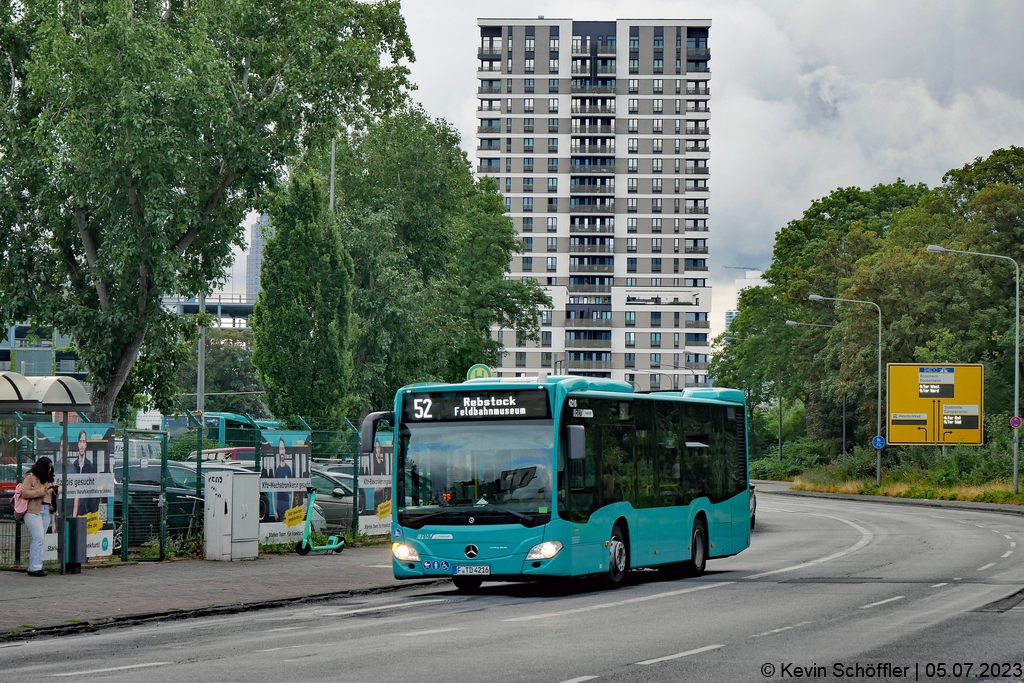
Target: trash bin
78, 530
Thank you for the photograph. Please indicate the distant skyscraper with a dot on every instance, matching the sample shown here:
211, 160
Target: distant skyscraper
255, 257
597, 133
729, 317
752, 278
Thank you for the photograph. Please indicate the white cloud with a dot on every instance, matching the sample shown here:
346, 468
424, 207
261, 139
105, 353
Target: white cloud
807, 96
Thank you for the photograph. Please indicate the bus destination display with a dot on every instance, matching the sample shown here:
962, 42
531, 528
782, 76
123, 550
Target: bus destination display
504, 404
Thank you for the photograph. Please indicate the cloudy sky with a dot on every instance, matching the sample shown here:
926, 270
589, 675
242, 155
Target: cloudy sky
807, 96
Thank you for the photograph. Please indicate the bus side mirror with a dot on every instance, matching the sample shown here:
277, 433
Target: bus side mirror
577, 437
368, 430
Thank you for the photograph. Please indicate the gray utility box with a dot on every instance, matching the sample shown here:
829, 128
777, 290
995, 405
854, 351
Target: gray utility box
78, 529
232, 506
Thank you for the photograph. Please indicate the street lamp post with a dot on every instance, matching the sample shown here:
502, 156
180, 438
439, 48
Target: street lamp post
878, 423
934, 248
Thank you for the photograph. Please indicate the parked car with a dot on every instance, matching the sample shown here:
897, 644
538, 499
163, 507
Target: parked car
242, 454
334, 495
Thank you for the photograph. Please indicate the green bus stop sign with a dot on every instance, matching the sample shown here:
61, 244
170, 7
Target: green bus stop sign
477, 371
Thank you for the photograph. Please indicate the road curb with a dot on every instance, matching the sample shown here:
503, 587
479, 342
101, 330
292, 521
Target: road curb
153, 617
919, 502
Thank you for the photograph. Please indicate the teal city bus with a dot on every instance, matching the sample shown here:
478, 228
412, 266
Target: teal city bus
563, 476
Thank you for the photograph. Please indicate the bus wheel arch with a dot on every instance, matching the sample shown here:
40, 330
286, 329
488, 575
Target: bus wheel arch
618, 552
699, 545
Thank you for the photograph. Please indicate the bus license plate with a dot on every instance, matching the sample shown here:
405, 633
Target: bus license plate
480, 569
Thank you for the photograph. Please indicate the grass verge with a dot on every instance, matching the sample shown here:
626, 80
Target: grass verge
975, 493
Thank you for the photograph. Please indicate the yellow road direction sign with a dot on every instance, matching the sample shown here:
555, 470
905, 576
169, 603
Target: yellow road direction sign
936, 404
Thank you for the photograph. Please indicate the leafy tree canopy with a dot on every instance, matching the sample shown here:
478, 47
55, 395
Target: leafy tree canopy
231, 382
431, 250
870, 246
302, 316
136, 135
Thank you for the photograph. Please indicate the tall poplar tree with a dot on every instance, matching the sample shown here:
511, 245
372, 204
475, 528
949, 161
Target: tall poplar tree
301, 319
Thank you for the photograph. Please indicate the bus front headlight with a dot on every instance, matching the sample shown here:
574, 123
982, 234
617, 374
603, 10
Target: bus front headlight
404, 553
544, 551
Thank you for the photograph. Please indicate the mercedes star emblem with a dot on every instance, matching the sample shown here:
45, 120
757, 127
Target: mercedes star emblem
471, 551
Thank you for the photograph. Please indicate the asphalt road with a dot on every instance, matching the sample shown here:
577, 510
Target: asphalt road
825, 583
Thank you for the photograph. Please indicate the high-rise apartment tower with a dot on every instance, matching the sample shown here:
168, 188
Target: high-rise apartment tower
597, 132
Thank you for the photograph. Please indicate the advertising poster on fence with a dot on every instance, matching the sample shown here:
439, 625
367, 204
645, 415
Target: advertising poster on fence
374, 497
90, 483
284, 477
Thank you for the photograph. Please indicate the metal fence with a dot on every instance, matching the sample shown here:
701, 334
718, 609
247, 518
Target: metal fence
153, 512
156, 510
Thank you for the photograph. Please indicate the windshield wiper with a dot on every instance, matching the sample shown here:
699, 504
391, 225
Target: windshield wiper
419, 522
506, 510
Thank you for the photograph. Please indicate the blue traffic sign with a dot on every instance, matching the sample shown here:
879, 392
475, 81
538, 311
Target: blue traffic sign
878, 443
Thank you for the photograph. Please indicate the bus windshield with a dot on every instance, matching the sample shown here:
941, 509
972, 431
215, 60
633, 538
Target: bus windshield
492, 472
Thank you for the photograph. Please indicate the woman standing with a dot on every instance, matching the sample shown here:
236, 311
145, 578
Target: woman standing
40, 492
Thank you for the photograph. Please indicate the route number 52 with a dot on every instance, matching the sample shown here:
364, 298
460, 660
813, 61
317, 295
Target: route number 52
421, 409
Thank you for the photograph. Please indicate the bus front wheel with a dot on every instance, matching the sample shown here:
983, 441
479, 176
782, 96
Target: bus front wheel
698, 549
467, 584
618, 556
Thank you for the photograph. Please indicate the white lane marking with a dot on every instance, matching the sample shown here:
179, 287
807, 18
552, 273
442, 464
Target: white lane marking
1013, 544
284, 628
961, 521
780, 630
113, 668
412, 634
397, 605
285, 647
939, 585
580, 679
937, 516
990, 564
866, 537
617, 603
681, 654
882, 602
1008, 553
1008, 537
957, 578
996, 532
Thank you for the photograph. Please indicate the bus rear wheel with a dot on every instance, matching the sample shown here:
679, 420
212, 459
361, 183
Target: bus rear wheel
618, 556
467, 584
698, 549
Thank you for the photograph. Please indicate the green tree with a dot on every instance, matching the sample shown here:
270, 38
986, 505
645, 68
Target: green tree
301, 318
136, 135
232, 385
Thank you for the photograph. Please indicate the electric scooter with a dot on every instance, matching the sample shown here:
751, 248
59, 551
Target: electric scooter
303, 547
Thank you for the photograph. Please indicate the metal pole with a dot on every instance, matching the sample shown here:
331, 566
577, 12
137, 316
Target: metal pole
201, 371
780, 414
1016, 350
844, 423
1016, 381
878, 421
64, 524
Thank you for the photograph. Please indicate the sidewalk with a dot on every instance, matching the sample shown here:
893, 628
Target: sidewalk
153, 590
